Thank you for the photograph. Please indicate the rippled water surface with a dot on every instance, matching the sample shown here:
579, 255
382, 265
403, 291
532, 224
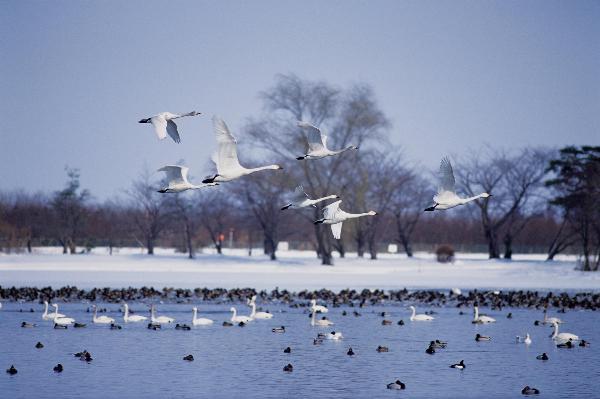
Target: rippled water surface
248, 361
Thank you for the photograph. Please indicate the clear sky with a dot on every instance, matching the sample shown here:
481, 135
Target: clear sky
76, 76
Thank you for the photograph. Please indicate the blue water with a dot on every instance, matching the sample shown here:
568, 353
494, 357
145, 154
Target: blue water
248, 361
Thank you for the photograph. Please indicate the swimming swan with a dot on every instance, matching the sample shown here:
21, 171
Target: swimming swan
159, 319
133, 318
318, 308
477, 319
321, 322
101, 319
258, 315
562, 337
50, 316
196, 321
419, 317
238, 319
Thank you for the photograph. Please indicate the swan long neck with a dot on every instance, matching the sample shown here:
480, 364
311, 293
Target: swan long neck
350, 147
312, 317
45, 308
234, 313
555, 333
253, 305
356, 215
126, 311
195, 313
473, 198
324, 198
252, 170
414, 312
476, 315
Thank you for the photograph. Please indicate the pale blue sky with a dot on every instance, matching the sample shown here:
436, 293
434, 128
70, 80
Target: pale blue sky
75, 76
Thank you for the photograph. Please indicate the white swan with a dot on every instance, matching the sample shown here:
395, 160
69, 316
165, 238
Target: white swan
133, 318
177, 177
562, 337
477, 319
419, 317
199, 321
334, 216
50, 316
163, 124
320, 322
317, 143
299, 199
238, 319
526, 340
335, 335
258, 315
550, 320
159, 319
102, 319
446, 197
226, 158
61, 320
318, 308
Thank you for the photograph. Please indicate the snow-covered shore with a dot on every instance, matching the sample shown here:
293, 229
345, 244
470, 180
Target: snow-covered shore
295, 270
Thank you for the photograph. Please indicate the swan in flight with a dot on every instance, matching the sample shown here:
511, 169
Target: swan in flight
226, 158
61, 320
318, 308
562, 337
50, 316
419, 317
334, 216
446, 197
317, 143
238, 319
177, 177
133, 318
163, 124
101, 319
321, 323
199, 321
159, 319
299, 199
477, 319
258, 315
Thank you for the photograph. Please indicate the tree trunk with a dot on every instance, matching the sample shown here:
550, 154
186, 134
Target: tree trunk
360, 247
407, 247
29, 245
326, 258
508, 247
492, 239
373, 249
150, 245
72, 247
219, 248
188, 239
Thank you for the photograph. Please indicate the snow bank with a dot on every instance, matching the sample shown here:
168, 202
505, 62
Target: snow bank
295, 270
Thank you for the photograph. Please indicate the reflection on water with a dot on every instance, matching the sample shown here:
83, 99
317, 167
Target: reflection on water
248, 361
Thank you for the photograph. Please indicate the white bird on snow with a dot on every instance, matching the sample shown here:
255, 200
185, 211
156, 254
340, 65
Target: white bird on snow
163, 124
299, 199
334, 216
446, 197
177, 177
317, 143
226, 158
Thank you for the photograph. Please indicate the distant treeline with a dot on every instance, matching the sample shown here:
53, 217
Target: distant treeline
543, 199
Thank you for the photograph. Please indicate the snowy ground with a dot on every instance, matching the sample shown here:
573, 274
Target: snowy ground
295, 270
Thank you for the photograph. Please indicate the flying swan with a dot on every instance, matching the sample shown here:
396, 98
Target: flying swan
446, 197
163, 124
317, 143
334, 216
226, 158
177, 177
299, 199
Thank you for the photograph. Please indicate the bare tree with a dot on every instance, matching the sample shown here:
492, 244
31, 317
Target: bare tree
350, 117
215, 207
149, 212
408, 207
514, 180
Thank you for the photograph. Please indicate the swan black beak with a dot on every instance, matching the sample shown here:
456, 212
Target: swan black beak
144, 120
430, 209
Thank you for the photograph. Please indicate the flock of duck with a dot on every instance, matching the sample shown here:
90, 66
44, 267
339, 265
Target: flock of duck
228, 168
61, 321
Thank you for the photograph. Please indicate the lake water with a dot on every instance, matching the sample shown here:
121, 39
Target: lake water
248, 361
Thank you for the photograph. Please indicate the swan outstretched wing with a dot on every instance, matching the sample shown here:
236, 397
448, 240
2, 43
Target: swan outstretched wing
332, 210
447, 182
299, 194
160, 126
336, 230
172, 130
175, 173
225, 157
316, 139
